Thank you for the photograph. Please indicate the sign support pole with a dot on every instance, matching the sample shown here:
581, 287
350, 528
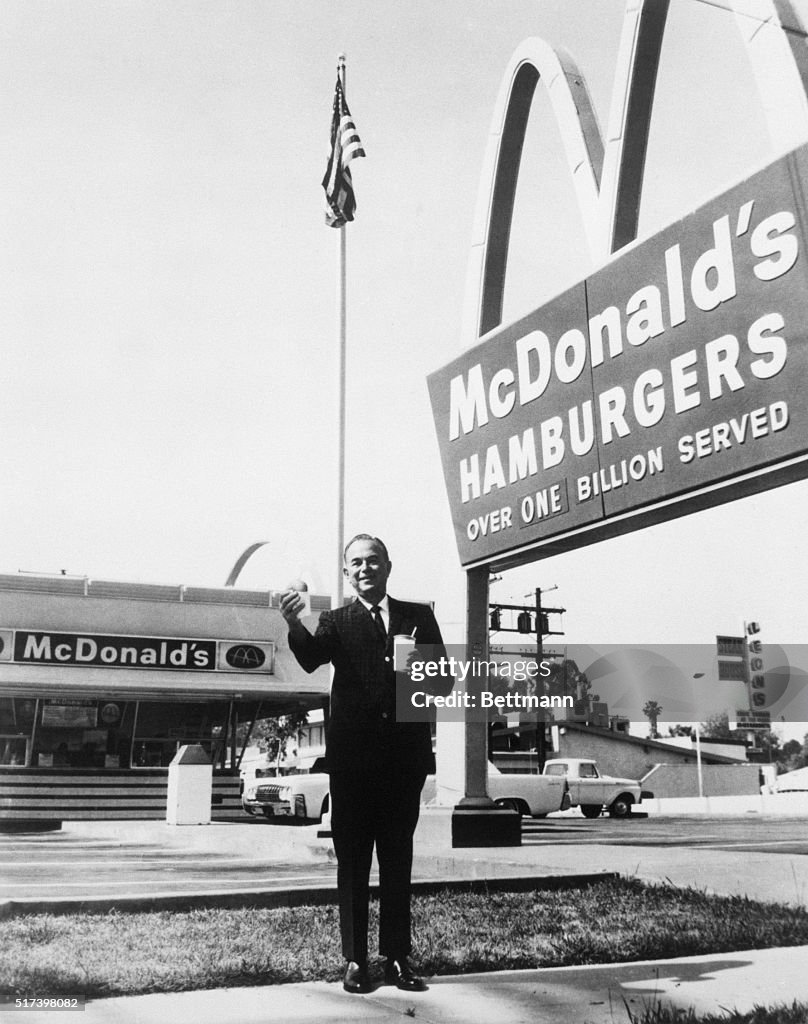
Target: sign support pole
476, 820
698, 761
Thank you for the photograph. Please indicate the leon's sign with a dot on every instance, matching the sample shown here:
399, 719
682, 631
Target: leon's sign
656, 383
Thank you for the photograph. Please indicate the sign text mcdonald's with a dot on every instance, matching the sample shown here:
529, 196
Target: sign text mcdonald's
105, 650
669, 380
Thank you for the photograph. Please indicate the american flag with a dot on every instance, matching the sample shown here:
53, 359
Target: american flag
340, 203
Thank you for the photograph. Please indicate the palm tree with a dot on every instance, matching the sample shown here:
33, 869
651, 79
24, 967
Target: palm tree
652, 710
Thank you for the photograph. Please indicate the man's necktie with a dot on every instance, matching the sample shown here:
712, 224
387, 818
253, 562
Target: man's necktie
376, 612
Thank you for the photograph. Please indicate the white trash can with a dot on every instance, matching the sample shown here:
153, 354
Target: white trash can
190, 787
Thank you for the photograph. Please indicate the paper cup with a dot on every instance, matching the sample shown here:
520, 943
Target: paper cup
403, 646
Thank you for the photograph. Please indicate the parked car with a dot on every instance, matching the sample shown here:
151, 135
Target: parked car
535, 796
302, 795
590, 790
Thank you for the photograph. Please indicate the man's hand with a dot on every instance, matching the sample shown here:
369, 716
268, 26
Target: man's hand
412, 657
291, 605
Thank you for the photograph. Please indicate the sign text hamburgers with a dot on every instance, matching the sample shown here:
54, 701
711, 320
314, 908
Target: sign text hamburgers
674, 367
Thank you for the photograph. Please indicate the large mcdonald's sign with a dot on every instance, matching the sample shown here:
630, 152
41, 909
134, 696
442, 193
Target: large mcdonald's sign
676, 370
668, 380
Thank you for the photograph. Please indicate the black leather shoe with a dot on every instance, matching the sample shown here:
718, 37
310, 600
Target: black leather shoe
401, 974
356, 978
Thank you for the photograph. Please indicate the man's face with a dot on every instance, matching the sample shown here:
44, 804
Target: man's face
367, 570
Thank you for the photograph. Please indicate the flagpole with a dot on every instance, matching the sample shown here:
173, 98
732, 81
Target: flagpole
341, 376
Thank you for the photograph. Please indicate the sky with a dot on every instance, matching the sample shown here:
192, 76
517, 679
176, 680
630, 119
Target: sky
169, 321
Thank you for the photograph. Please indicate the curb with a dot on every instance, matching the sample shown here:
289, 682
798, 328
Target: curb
288, 897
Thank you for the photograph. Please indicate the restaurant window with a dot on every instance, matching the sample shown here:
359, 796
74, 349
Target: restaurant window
163, 727
16, 728
83, 733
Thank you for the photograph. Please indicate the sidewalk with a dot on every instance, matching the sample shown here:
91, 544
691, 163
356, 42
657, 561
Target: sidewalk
565, 995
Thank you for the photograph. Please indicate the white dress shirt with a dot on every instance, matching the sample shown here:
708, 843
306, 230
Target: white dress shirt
384, 608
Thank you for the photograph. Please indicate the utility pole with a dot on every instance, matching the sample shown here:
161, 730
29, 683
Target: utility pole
527, 624
542, 630
543, 621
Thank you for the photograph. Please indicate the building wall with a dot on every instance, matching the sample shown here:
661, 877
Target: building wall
666, 770
130, 609
682, 780
735, 749
617, 754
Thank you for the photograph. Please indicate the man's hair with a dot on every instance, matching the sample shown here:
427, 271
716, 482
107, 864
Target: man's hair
366, 536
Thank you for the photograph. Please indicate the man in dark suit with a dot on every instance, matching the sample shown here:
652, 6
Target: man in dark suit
377, 765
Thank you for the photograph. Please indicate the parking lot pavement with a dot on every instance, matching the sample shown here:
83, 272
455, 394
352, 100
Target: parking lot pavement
765, 876
152, 865
139, 861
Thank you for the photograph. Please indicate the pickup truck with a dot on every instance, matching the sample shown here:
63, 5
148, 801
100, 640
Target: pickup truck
592, 791
535, 796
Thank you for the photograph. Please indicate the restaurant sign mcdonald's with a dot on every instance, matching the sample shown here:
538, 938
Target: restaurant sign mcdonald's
667, 381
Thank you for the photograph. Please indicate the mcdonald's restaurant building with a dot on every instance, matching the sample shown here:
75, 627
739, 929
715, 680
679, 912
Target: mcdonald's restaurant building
102, 682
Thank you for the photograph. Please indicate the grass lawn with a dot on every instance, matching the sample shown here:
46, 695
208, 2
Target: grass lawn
795, 1013
612, 921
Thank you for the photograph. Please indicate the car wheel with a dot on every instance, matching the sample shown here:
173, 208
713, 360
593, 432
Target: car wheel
268, 812
248, 810
621, 808
591, 810
509, 805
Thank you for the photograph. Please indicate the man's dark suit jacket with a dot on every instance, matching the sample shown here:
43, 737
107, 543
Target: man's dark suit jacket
362, 733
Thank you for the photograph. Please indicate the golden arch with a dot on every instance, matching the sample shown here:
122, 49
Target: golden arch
607, 174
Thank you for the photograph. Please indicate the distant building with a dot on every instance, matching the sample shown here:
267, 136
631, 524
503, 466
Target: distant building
666, 769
